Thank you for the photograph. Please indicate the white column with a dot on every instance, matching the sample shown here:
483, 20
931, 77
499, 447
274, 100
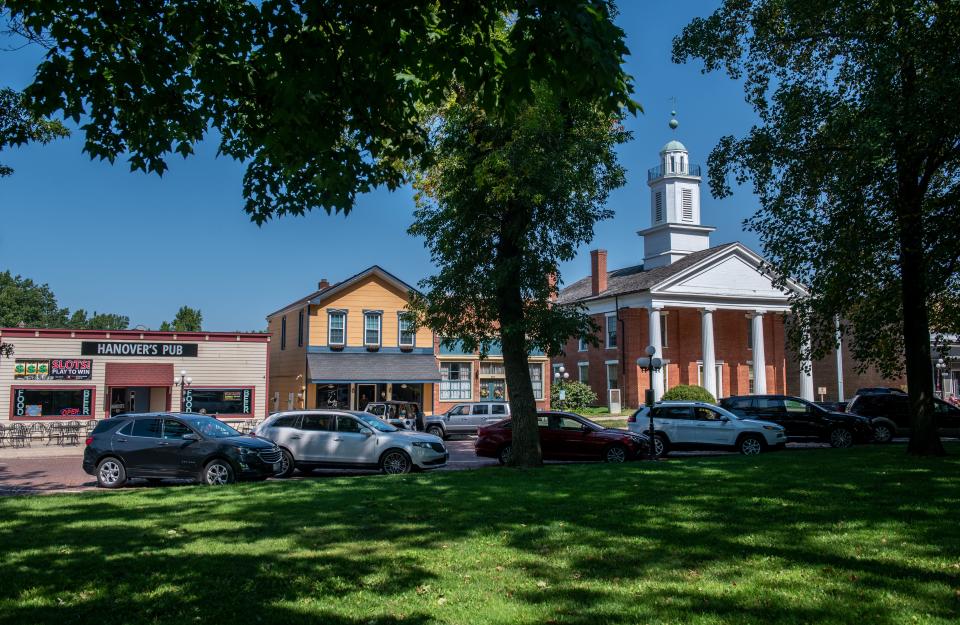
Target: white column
709, 358
759, 359
836, 323
655, 341
806, 374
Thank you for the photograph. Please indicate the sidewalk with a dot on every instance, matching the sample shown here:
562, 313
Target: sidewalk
40, 450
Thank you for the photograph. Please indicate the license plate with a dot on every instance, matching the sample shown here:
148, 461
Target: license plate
277, 466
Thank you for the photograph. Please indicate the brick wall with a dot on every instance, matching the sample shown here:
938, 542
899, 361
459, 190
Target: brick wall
825, 375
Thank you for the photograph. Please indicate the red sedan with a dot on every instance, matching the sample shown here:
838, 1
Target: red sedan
565, 436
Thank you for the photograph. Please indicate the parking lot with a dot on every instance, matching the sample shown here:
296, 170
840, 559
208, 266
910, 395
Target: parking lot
56, 470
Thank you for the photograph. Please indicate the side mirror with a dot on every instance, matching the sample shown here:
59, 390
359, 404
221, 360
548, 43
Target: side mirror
191, 436
367, 432
724, 418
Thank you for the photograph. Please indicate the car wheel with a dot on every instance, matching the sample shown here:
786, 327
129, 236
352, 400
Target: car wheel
395, 462
841, 438
505, 452
111, 473
615, 454
287, 464
882, 433
661, 447
751, 445
436, 431
217, 473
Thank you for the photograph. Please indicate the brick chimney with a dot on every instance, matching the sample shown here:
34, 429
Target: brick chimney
598, 271
552, 282
323, 284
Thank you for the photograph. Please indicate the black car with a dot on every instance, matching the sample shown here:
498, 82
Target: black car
803, 420
890, 414
175, 445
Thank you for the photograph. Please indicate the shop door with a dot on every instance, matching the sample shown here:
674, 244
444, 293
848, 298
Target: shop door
493, 390
366, 393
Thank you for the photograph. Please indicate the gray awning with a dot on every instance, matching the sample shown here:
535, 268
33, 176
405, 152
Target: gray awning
372, 367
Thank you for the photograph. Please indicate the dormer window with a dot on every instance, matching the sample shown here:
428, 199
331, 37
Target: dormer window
371, 328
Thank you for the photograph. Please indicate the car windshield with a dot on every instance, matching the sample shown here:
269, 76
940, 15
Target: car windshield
376, 423
592, 424
210, 427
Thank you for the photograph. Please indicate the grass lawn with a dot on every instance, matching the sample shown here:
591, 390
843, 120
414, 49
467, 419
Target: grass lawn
865, 536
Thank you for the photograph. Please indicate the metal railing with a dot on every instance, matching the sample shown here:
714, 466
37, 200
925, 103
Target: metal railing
660, 171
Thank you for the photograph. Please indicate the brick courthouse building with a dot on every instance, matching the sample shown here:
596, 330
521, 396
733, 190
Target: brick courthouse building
712, 313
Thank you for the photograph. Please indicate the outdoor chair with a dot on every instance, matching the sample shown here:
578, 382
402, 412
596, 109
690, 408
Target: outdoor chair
38, 432
18, 435
3, 435
55, 433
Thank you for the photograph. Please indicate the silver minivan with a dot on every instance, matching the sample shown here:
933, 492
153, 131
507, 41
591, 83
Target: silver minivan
467, 417
312, 439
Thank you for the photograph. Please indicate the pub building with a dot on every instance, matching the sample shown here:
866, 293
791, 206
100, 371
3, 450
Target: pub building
62, 374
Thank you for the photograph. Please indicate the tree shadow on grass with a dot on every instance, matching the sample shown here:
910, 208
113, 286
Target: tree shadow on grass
826, 537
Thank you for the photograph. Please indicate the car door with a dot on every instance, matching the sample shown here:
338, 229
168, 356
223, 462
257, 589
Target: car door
680, 426
947, 416
317, 433
772, 409
713, 428
459, 418
139, 447
573, 440
800, 420
547, 425
354, 443
498, 412
479, 416
179, 456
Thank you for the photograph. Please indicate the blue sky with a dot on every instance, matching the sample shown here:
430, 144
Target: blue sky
109, 240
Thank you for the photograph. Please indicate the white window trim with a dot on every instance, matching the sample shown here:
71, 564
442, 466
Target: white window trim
379, 317
400, 316
583, 363
606, 334
535, 396
582, 344
719, 367
664, 334
469, 365
331, 313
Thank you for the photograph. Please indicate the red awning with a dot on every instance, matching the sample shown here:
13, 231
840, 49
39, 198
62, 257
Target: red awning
139, 374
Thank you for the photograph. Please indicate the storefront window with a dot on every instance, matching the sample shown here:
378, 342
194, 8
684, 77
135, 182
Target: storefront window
333, 396
51, 402
492, 368
219, 401
456, 381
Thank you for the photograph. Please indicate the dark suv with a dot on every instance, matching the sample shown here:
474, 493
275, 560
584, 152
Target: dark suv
890, 414
803, 420
175, 445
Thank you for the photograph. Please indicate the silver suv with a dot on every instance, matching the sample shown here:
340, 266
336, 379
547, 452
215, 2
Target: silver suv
340, 439
697, 425
467, 418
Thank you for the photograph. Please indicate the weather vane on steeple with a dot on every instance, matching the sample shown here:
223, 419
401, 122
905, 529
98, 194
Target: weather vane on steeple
673, 115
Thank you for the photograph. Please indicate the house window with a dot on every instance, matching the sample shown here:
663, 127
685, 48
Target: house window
582, 345
283, 333
300, 329
29, 403
408, 335
663, 329
220, 401
751, 389
719, 378
658, 206
749, 334
536, 380
686, 204
371, 328
666, 377
337, 327
583, 372
456, 383
611, 330
613, 375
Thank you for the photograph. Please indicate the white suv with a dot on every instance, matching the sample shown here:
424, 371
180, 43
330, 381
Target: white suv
697, 425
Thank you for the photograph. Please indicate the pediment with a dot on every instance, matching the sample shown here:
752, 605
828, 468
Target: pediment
730, 275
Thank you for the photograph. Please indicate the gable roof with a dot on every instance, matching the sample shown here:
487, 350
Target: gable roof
634, 279
317, 296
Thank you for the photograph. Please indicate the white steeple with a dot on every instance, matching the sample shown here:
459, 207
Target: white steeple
675, 228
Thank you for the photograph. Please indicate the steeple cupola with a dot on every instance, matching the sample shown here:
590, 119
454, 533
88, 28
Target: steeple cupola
675, 229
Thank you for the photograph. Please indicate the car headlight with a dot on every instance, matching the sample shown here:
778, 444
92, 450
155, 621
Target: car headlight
775, 428
423, 444
244, 451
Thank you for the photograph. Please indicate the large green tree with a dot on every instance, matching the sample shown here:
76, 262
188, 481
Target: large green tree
18, 125
98, 321
856, 162
186, 320
23, 302
321, 100
500, 204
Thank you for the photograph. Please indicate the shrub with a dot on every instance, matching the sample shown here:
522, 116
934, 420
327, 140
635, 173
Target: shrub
689, 392
579, 395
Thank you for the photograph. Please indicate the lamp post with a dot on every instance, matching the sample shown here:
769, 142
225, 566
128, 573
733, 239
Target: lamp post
650, 363
558, 377
183, 382
941, 373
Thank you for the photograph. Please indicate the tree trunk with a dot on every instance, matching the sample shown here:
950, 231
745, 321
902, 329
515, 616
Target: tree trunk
924, 440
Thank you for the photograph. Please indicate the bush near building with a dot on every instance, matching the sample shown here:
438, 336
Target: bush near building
689, 392
578, 396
